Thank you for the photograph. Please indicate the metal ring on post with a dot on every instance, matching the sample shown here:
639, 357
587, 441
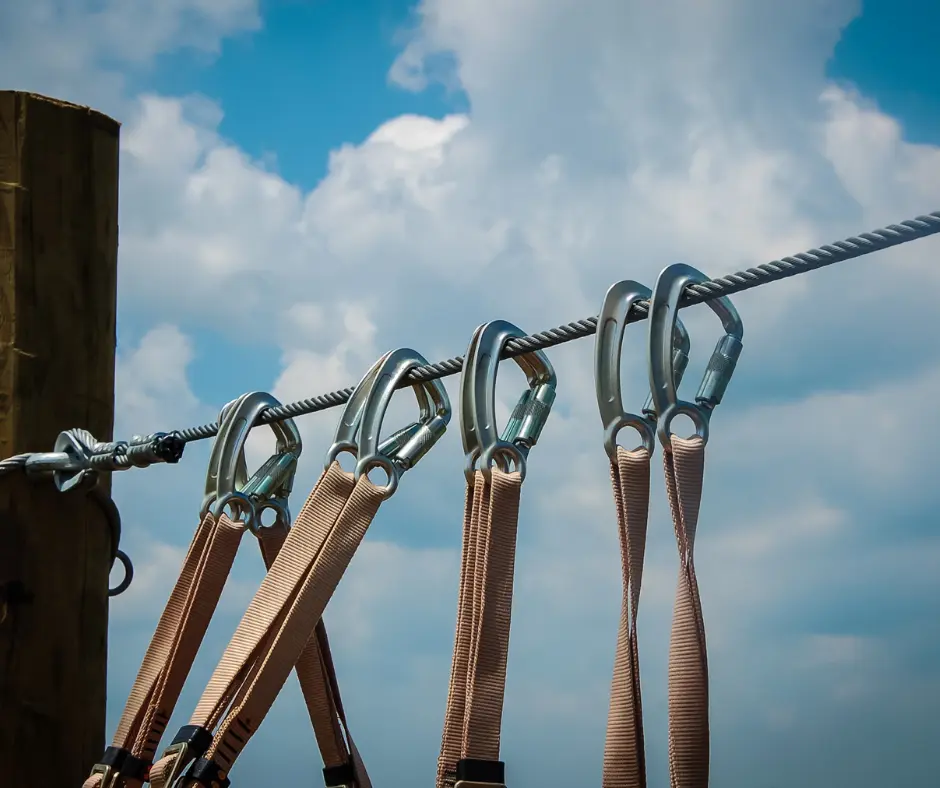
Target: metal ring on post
663, 315
128, 578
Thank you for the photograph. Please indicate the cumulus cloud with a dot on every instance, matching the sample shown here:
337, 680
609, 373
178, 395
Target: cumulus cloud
88, 51
602, 143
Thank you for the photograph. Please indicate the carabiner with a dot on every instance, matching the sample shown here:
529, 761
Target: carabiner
212, 474
270, 486
345, 438
608, 349
478, 400
664, 310
394, 367
468, 429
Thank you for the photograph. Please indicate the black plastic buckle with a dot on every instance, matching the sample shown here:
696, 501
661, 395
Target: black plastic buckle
190, 743
342, 776
474, 773
206, 772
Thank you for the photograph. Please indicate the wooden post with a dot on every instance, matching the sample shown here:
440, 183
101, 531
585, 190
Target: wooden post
58, 271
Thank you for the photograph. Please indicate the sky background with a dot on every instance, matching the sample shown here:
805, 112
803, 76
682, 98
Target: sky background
306, 184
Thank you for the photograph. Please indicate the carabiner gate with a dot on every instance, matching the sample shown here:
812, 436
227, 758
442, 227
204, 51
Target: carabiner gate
345, 439
664, 309
608, 350
481, 437
270, 486
399, 454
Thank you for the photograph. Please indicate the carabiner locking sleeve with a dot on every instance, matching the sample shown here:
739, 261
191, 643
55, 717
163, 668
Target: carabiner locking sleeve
664, 309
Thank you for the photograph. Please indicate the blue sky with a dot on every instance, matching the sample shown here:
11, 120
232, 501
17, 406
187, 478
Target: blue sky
284, 104
308, 184
279, 87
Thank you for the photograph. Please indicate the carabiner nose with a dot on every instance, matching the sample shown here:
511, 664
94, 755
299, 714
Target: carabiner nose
344, 439
478, 400
664, 309
608, 352
212, 474
271, 484
381, 387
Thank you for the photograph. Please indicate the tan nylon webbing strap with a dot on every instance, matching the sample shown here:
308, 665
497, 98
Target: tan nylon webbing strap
624, 753
311, 527
286, 608
328, 497
213, 571
256, 697
179, 635
452, 739
317, 676
338, 713
688, 664
473, 716
177, 639
158, 652
486, 680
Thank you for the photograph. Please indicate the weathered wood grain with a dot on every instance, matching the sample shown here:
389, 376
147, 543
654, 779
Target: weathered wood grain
58, 273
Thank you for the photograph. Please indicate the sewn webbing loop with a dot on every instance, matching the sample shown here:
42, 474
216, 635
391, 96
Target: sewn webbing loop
684, 465
624, 749
470, 742
688, 661
473, 717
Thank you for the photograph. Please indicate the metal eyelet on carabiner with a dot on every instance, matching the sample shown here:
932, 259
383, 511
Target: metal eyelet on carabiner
608, 349
406, 447
481, 438
270, 486
663, 310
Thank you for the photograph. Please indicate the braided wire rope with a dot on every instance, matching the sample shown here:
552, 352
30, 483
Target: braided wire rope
103, 454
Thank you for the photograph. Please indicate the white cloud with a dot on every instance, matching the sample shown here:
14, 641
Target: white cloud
151, 382
87, 50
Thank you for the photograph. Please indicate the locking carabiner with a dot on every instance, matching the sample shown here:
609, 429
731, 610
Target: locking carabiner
401, 455
345, 440
608, 349
212, 472
664, 310
482, 440
270, 486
